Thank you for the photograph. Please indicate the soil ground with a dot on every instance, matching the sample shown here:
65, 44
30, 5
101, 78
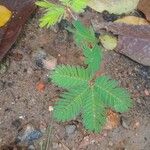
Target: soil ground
20, 100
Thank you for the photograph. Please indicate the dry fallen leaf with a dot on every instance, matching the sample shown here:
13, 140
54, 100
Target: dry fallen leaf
108, 41
112, 120
21, 9
5, 15
144, 6
113, 6
133, 20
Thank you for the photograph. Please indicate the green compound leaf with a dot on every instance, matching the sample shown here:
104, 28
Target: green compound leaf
70, 76
94, 114
93, 58
53, 13
45, 4
77, 6
82, 34
85, 38
70, 104
111, 95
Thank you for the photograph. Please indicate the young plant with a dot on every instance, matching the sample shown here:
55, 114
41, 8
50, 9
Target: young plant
54, 13
85, 93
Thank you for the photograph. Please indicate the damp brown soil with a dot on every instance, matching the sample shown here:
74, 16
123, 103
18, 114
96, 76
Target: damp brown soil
20, 100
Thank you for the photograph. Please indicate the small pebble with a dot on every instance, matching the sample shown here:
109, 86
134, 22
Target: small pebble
136, 125
92, 141
34, 135
147, 92
44, 60
110, 143
31, 147
70, 129
50, 63
55, 145
29, 135
40, 86
139, 101
16, 123
38, 57
4, 66
29, 71
124, 123
2, 85
51, 108
21, 117
144, 72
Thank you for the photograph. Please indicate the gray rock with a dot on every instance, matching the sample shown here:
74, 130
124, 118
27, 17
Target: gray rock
124, 122
38, 57
50, 63
16, 123
110, 143
44, 60
4, 66
55, 145
2, 85
70, 129
31, 147
29, 135
131, 43
144, 72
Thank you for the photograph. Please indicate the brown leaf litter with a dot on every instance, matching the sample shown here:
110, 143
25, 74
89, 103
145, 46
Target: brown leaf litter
144, 6
21, 11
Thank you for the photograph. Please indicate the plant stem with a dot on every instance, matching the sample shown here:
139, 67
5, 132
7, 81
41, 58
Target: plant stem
72, 15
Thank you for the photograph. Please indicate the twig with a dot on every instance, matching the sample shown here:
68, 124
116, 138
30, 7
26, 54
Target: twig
64, 146
49, 133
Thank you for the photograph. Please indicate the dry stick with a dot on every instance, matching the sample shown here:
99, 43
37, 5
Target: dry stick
65, 147
48, 143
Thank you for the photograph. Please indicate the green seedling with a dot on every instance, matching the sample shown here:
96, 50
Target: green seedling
86, 94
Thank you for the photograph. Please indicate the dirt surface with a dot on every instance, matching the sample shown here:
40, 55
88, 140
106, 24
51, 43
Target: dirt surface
21, 104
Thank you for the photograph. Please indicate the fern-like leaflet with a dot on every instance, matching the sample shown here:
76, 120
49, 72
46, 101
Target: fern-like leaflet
70, 76
54, 13
111, 95
70, 103
85, 38
93, 113
77, 6
83, 35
